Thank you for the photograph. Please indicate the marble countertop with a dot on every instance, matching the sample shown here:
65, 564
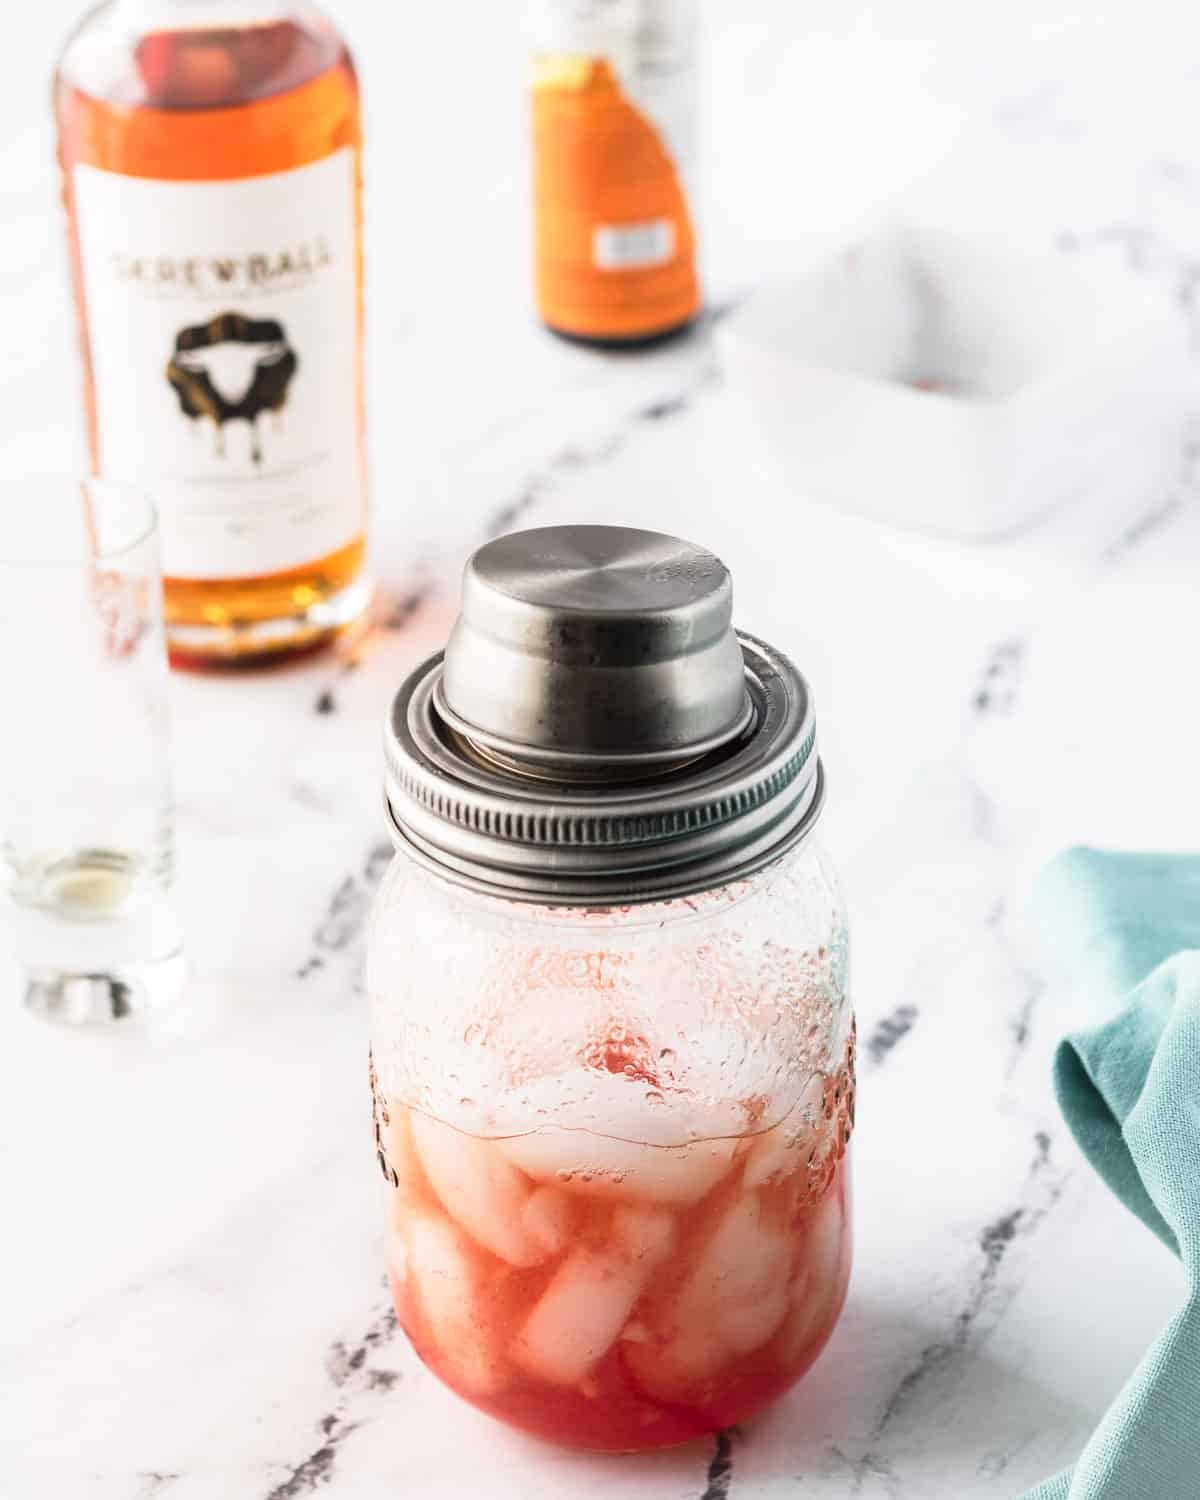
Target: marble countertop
191, 1258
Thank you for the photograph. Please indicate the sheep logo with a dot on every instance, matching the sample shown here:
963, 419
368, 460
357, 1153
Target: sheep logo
232, 369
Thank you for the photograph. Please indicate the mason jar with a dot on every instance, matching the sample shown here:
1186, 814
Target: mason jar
612, 1047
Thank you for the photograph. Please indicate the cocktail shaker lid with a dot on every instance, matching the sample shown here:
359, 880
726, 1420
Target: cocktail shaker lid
596, 731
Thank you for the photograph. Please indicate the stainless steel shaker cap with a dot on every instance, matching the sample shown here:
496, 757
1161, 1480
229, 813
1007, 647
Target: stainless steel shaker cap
594, 652
596, 731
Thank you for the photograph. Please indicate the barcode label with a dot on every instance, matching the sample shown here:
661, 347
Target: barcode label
630, 247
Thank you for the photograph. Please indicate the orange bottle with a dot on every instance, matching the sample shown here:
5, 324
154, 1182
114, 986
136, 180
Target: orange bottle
614, 106
210, 152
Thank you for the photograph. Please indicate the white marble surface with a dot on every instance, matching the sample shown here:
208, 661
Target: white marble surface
191, 1294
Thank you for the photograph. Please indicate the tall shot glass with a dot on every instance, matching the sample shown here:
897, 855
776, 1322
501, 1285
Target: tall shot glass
87, 922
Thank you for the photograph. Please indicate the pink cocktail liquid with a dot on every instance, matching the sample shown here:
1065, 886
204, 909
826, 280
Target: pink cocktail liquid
612, 1295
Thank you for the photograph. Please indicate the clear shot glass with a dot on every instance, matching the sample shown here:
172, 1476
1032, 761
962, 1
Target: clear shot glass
87, 922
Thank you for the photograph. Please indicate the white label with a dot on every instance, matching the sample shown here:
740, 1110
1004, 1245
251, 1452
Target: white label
632, 247
222, 322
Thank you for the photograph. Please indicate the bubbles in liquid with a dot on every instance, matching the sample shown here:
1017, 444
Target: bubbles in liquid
653, 1096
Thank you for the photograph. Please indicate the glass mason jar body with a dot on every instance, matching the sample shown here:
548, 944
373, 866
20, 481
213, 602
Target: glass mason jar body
210, 152
615, 1145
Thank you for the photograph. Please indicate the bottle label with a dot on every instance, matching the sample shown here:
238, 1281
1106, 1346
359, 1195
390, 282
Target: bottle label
223, 330
614, 91
621, 247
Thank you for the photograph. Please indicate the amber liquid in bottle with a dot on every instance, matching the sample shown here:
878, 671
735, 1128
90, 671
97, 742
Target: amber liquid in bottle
217, 104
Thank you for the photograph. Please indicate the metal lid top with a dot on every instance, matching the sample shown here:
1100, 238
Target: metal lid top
596, 730
594, 652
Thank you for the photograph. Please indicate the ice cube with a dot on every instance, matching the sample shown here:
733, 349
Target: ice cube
599, 1166
805, 1310
812, 1305
624, 1140
644, 1233
549, 1216
817, 1284
673, 1367
777, 1152
734, 1299
451, 1289
397, 1251
821, 1247
757, 1320
578, 1318
479, 1188
746, 1256
746, 1261
398, 1211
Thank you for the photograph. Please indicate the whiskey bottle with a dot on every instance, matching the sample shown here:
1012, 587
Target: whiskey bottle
614, 116
210, 152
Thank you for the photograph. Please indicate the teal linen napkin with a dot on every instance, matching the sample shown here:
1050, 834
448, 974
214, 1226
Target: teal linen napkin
1128, 926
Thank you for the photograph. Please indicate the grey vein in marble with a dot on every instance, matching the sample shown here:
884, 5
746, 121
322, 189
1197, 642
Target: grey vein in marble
1183, 490
890, 1031
1148, 251
315, 1470
386, 616
720, 1470
1001, 678
1030, 986
576, 455
350, 1373
983, 1305
348, 910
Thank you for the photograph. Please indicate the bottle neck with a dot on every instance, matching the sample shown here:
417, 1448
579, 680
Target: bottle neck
167, 15
194, 54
